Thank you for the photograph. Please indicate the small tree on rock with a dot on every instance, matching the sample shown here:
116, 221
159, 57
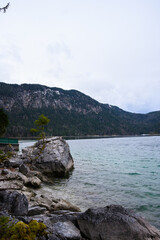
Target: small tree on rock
40, 123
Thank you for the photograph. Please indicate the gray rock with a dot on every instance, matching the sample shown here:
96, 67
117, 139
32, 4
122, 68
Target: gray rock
11, 175
65, 205
115, 223
36, 174
36, 210
42, 201
61, 216
53, 237
12, 180
52, 158
11, 185
66, 230
2, 164
24, 169
14, 162
4, 171
34, 182
52, 204
14, 202
61, 224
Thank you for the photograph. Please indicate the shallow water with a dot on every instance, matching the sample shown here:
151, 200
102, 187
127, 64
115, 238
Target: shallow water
123, 171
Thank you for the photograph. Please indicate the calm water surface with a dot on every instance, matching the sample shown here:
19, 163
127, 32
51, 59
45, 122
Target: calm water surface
123, 171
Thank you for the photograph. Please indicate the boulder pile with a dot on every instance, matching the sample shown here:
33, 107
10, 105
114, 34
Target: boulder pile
21, 175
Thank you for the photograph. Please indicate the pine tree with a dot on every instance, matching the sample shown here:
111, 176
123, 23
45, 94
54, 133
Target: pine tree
40, 125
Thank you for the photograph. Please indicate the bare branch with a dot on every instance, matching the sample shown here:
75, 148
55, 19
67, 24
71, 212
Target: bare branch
4, 9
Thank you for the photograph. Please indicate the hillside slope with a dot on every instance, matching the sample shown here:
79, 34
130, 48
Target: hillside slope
70, 112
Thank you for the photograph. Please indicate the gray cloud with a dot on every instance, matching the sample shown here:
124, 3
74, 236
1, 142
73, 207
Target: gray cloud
10, 54
107, 49
57, 49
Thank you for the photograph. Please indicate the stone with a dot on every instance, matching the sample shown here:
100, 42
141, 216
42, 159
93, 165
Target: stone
12, 180
115, 223
13, 162
53, 237
61, 224
42, 201
28, 193
24, 169
14, 202
11, 185
2, 164
52, 158
66, 230
34, 182
61, 216
5, 171
36, 210
65, 205
22, 177
11, 175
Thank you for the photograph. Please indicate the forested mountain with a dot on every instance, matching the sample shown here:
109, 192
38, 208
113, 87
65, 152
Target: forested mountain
70, 112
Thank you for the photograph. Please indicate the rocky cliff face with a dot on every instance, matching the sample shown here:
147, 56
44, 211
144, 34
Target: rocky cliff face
38, 97
70, 113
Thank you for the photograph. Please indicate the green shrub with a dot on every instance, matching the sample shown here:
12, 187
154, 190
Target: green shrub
4, 156
37, 229
20, 230
5, 226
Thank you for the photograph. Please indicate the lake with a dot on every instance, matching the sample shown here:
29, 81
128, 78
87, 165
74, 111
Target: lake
123, 171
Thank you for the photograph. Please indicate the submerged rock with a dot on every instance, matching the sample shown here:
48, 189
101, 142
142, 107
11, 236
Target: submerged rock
115, 223
65, 205
52, 157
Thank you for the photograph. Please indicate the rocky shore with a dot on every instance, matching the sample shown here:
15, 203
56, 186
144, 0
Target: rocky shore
21, 175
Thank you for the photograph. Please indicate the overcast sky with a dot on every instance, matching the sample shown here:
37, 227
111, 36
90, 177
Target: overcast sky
107, 49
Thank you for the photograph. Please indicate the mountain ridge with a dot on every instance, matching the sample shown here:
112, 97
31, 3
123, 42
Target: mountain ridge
70, 111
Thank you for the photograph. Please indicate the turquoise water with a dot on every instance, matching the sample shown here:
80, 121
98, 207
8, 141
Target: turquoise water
123, 171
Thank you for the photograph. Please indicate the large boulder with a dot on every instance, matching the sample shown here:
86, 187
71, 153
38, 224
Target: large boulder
52, 157
14, 202
115, 223
66, 231
61, 225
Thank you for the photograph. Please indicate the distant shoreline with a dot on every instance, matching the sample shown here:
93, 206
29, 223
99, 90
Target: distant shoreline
88, 137
106, 136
